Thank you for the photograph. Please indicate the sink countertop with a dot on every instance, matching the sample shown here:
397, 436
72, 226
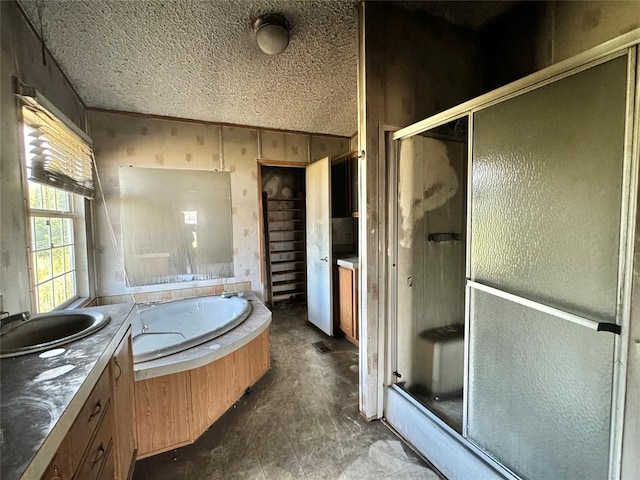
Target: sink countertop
349, 262
41, 397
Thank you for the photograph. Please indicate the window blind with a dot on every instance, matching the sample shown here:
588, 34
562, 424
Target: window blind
55, 155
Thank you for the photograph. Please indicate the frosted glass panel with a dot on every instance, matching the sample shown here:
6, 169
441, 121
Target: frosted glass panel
176, 225
539, 391
432, 179
547, 183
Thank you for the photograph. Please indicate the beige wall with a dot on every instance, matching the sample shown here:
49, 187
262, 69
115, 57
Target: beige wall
535, 35
143, 141
22, 58
411, 66
580, 25
417, 65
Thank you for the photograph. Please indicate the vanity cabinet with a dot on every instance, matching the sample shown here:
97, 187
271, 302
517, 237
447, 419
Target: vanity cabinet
61, 466
100, 444
122, 386
348, 303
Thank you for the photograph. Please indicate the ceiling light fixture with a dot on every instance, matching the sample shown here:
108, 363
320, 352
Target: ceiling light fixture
272, 33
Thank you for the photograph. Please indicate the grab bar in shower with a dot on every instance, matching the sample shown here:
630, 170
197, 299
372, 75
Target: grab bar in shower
556, 312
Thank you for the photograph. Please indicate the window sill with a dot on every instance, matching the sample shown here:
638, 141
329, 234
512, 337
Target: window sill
76, 303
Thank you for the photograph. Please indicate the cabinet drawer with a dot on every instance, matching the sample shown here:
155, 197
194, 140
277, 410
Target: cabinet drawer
109, 469
99, 454
89, 419
60, 466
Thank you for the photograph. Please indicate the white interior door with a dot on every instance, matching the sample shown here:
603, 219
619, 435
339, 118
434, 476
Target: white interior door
319, 298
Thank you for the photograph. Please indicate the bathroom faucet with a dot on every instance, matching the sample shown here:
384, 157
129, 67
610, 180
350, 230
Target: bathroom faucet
9, 322
148, 304
226, 294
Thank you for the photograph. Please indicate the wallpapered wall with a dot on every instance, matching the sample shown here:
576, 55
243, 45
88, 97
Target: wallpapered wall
141, 141
21, 57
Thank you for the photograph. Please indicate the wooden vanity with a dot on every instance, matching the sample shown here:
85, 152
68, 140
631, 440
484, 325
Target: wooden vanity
68, 413
346, 298
101, 442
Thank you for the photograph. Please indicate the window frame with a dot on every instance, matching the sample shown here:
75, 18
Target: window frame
76, 215
81, 213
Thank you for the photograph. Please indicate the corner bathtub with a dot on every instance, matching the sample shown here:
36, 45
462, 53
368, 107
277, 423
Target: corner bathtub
171, 327
189, 376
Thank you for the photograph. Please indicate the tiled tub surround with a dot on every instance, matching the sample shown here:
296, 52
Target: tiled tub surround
179, 396
41, 397
174, 293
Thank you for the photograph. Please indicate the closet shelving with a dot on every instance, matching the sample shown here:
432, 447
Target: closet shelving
286, 249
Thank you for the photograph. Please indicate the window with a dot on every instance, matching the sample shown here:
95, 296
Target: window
59, 177
53, 245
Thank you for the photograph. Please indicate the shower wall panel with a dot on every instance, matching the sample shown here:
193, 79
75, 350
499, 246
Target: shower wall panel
431, 200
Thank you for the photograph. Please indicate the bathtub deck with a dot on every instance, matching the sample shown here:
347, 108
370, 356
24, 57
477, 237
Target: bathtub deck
174, 410
210, 351
300, 421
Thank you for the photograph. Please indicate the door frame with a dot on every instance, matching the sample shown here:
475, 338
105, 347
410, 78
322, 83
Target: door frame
268, 163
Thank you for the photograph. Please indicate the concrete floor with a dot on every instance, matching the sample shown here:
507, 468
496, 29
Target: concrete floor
300, 421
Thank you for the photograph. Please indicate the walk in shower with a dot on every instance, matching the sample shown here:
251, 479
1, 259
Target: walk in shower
511, 222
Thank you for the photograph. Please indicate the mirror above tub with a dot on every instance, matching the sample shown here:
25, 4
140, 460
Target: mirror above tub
176, 225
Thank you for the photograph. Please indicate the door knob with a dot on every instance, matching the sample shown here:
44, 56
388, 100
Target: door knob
325, 259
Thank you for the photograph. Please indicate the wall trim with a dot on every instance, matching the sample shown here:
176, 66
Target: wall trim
207, 122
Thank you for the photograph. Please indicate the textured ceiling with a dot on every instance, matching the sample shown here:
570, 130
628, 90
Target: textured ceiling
199, 60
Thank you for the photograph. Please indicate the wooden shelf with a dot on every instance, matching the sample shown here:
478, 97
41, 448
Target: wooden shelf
287, 295
280, 262
288, 272
289, 283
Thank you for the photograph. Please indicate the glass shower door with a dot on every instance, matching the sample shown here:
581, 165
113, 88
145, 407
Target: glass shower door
431, 231
547, 187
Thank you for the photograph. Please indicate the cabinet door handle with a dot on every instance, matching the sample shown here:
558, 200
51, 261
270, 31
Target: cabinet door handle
99, 456
325, 259
117, 365
96, 410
